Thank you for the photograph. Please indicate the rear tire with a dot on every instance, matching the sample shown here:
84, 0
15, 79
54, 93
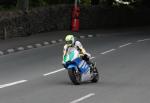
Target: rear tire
74, 76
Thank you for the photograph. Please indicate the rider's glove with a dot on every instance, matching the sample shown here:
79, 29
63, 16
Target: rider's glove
88, 55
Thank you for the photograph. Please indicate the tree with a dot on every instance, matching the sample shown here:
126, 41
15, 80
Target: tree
94, 2
85, 2
146, 3
23, 5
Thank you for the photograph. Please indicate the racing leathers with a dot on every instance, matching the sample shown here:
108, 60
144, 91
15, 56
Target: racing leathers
77, 44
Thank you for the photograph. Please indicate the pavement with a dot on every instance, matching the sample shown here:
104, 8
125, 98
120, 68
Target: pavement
122, 61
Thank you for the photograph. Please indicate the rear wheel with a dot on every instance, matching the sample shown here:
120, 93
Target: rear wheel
75, 76
95, 75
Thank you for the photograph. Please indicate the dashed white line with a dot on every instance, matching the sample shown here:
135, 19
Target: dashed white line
125, 45
11, 84
108, 51
83, 98
54, 72
143, 40
62, 69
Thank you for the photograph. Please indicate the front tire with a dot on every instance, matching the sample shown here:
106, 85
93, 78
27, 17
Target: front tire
95, 75
74, 76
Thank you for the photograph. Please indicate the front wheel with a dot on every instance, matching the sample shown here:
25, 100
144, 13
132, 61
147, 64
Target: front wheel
95, 75
74, 76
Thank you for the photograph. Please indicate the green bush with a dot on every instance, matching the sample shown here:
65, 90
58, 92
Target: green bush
3, 8
34, 3
86, 2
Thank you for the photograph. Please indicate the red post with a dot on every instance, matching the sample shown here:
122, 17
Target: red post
75, 23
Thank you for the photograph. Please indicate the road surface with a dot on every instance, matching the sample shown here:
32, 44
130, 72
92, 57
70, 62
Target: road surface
37, 76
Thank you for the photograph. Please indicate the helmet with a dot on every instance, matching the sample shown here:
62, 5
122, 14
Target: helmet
69, 40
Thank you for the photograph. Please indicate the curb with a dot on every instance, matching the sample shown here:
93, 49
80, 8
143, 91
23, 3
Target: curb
53, 41
1, 53
20, 48
10, 51
46, 43
29, 46
82, 36
38, 45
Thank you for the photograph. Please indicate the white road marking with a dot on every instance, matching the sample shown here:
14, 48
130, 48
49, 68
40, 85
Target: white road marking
11, 84
108, 51
62, 69
83, 98
54, 72
125, 45
143, 40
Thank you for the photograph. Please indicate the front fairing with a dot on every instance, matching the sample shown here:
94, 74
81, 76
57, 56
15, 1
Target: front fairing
72, 60
71, 55
73, 64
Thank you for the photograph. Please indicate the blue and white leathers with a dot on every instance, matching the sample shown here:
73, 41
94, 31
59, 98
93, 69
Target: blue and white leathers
82, 66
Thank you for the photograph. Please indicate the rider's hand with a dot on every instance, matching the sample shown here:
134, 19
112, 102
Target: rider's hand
88, 55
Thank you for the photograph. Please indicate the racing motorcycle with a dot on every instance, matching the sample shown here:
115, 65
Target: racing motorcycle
78, 69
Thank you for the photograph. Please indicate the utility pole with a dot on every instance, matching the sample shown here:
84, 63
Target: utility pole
75, 23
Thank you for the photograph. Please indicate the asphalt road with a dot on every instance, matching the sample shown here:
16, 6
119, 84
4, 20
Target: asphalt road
123, 63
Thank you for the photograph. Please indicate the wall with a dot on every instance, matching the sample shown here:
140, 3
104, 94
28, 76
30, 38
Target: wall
46, 19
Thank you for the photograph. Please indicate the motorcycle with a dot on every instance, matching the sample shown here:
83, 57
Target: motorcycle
78, 69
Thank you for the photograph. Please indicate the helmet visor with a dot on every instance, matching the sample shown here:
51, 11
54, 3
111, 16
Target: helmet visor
69, 42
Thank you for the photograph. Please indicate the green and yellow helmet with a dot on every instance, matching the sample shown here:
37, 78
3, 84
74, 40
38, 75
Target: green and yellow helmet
69, 40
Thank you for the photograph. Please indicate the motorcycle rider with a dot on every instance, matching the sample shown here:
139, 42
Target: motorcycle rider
72, 42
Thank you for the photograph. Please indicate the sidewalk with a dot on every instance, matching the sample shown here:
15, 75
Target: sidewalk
23, 43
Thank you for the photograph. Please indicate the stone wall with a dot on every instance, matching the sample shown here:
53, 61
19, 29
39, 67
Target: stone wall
46, 19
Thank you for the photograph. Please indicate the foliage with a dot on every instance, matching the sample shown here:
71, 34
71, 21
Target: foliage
7, 4
10, 7
10, 4
49, 2
85, 2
